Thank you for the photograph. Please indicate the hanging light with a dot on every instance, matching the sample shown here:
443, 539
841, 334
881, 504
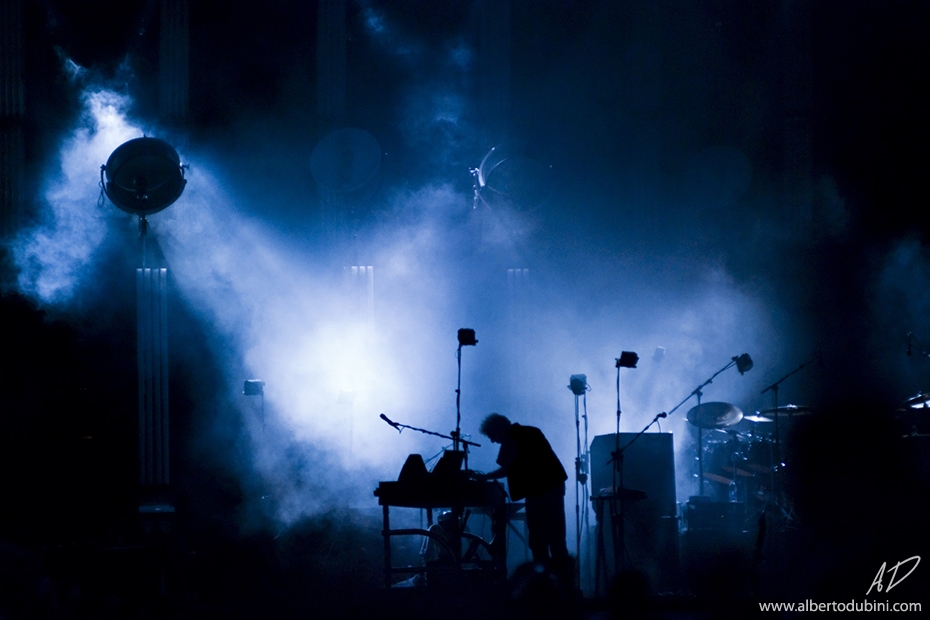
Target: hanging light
143, 176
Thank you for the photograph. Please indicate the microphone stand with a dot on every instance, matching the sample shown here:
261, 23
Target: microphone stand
774, 389
619, 492
697, 392
618, 525
400, 427
458, 518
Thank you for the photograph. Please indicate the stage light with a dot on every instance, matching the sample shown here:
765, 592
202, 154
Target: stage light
627, 359
253, 387
467, 337
578, 384
143, 176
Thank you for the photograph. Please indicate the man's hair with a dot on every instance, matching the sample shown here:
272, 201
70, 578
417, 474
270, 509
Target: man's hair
494, 422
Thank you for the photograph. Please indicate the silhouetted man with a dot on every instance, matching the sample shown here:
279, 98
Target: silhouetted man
535, 475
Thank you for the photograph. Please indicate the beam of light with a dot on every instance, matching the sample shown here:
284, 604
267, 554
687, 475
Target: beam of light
329, 372
54, 255
280, 314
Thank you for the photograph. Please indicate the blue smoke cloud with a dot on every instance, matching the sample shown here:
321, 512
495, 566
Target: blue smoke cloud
54, 255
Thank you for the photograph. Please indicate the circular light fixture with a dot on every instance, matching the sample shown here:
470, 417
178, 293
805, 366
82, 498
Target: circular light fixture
143, 176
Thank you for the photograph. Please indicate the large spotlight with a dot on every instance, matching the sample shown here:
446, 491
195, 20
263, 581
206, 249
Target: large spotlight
143, 176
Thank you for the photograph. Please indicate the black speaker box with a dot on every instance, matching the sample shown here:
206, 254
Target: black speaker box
648, 466
650, 524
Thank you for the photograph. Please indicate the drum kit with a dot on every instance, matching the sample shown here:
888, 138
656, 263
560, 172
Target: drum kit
738, 457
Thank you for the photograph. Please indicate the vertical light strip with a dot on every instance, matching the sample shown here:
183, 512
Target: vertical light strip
152, 360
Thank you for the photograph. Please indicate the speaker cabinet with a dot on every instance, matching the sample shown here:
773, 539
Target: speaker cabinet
650, 525
648, 466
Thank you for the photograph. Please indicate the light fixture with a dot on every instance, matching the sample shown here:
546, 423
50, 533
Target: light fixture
143, 176
467, 337
253, 387
578, 384
627, 359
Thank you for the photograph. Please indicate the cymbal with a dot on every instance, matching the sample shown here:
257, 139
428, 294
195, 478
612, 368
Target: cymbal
756, 418
786, 411
714, 415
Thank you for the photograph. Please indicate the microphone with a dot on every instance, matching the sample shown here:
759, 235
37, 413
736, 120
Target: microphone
394, 424
743, 363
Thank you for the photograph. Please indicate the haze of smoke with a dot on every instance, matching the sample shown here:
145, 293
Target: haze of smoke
701, 333
899, 345
329, 372
54, 256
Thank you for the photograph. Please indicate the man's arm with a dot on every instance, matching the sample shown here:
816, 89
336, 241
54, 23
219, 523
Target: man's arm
500, 472
505, 459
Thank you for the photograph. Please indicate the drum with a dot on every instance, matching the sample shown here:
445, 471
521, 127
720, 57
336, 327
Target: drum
760, 456
725, 467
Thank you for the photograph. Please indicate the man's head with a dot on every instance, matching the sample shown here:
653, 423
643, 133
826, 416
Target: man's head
495, 427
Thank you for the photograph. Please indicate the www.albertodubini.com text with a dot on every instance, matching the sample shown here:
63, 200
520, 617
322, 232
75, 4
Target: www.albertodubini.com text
853, 605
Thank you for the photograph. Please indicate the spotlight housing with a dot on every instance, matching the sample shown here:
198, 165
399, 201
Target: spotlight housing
253, 387
627, 359
143, 176
578, 384
467, 337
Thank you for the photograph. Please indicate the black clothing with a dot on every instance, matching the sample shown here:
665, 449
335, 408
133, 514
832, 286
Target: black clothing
534, 473
531, 465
